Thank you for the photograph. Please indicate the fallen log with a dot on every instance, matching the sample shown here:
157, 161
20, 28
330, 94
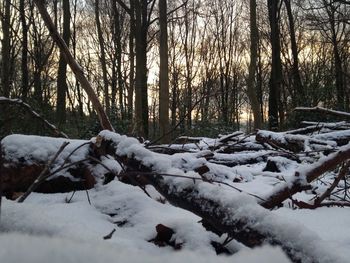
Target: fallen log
229, 212
23, 158
294, 143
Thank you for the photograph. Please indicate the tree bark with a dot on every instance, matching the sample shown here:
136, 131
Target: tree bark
24, 58
132, 59
6, 45
276, 65
163, 73
299, 96
141, 97
251, 89
300, 181
102, 56
62, 87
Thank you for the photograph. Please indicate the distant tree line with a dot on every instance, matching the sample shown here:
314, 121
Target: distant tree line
172, 67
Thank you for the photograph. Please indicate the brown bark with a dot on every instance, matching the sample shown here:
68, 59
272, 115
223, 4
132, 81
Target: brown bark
62, 87
251, 90
5, 50
163, 73
276, 65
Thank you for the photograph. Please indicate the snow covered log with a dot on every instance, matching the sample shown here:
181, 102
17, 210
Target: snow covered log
23, 158
299, 143
306, 175
227, 211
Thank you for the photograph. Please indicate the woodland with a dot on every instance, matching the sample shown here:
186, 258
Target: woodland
184, 130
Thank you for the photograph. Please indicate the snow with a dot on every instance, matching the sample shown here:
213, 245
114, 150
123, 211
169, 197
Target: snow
34, 249
29, 149
45, 222
45, 226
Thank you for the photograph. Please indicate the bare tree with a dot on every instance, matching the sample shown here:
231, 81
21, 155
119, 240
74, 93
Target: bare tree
102, 56
252, 91
5, 51
104, 121
163, 72
276, 65
62, 87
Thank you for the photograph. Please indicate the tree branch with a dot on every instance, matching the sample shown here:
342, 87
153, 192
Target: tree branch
36, 115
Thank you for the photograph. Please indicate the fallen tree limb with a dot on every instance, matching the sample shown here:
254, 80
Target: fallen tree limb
36, 115
307, 175
342, 173
324, 111
24, 157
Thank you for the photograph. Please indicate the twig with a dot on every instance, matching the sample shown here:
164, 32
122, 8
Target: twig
109, 236
70, 199
43, 174
76, 149
124, 173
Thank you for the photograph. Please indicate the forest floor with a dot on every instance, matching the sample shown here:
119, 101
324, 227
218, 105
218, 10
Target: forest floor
119, 222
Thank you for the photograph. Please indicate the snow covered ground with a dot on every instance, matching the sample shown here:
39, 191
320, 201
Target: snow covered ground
46, 227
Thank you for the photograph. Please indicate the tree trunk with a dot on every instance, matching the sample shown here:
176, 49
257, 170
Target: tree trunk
251, 89
24, 58
102, 56
276, 65
132, 60
163, 73
299, 97
62, 87
141, 98
6, 42
119, 60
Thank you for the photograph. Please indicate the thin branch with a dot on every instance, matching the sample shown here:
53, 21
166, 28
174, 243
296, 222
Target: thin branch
343, 172
43, 174
124, 6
